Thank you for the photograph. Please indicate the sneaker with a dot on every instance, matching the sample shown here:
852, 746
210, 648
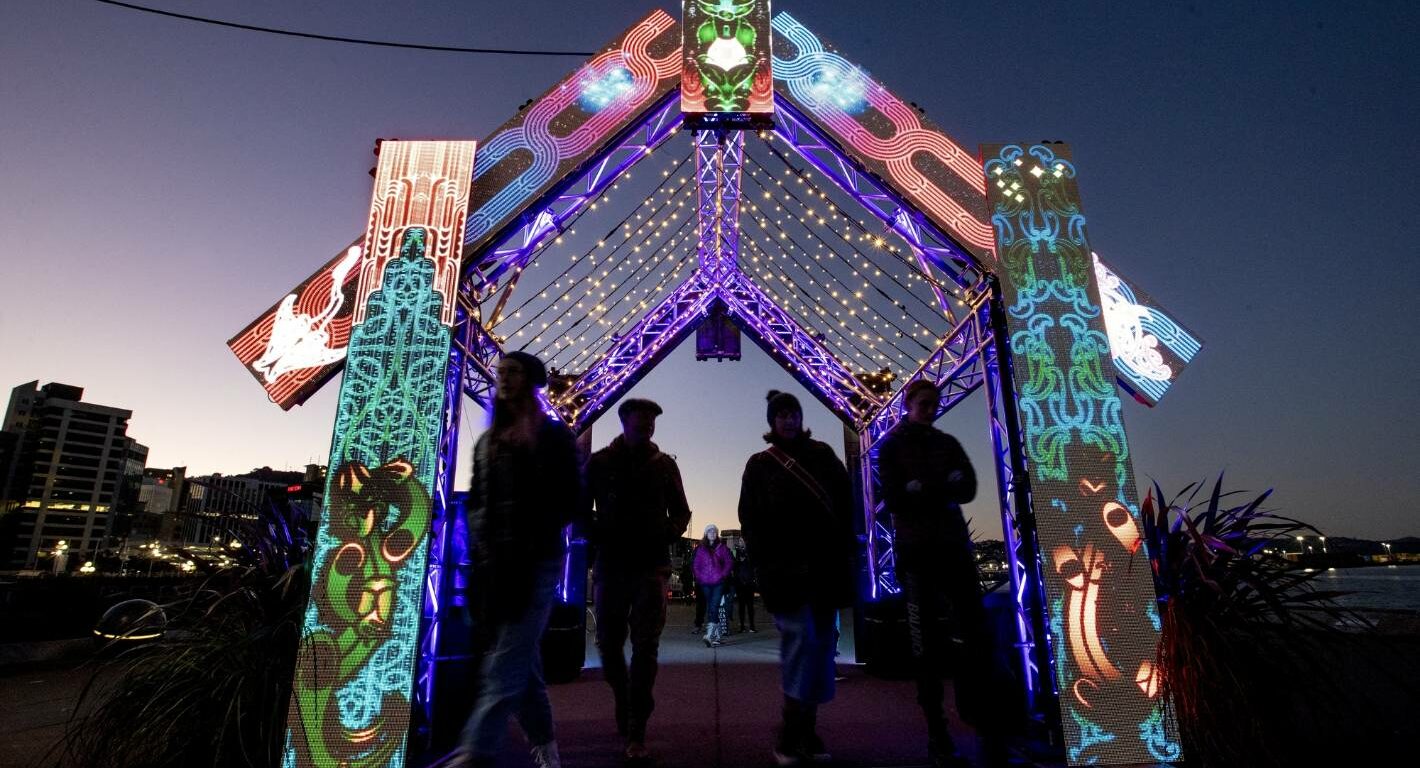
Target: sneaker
636, 754
752, 629
814, 749
459, 758
785, 756
943, 754
545, 756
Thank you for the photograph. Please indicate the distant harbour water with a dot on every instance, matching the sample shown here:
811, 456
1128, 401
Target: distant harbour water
1391, 587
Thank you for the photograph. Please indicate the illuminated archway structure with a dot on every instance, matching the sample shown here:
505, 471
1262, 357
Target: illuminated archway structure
1034, 318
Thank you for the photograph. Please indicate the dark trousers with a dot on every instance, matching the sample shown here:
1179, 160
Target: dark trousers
631, 604
744, 594
943, 593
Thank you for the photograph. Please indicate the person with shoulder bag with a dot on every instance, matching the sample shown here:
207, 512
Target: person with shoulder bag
795, 513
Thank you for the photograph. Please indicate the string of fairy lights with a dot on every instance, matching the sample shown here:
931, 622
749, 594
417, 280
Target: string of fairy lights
861, 293
604, 288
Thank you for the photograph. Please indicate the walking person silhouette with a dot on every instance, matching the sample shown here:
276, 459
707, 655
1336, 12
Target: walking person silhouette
640, 510
795, 513
926, 477
525, 488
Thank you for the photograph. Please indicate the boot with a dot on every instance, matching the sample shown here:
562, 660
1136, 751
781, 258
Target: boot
812, 745
941, 750
788, 747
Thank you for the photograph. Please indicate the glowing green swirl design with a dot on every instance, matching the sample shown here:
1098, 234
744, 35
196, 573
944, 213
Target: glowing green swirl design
350, 703
1082, 480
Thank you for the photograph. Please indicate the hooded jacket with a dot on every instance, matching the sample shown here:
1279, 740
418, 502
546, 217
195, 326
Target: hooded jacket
640, 506
804, 552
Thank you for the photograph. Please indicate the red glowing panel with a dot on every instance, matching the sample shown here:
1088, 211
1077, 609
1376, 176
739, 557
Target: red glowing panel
299, 343
886, 134
425, 185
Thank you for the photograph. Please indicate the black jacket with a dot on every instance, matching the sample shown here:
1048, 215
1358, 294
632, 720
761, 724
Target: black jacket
803, 551
640, 507
930, 517
520, 500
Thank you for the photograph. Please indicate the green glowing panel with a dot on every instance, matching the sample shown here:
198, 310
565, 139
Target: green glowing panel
727, 78
350, 703
1097, 577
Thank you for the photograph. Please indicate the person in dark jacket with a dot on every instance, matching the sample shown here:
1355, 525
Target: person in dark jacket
744, 588
796, 516
640, 510
525, 488
925, 478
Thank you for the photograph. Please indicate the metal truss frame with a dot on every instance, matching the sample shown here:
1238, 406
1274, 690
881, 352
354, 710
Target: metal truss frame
929, 245
1017, 517
719, 161
968, 357
546, 219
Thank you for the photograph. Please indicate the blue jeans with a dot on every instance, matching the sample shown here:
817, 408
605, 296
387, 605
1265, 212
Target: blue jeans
806, 645
510, 675
713, 593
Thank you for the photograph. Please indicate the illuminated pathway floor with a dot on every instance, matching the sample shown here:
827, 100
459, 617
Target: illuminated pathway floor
717, 708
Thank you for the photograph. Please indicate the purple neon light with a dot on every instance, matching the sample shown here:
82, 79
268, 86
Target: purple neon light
514, 252
926, 240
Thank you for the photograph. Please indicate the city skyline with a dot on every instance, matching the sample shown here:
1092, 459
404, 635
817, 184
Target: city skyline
223, 184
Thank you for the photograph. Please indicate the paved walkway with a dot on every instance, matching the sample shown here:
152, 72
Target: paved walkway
717, 708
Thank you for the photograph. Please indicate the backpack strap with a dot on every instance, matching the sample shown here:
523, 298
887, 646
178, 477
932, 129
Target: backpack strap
796, 469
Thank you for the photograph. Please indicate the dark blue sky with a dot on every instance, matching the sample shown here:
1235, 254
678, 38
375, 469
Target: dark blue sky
1249, 164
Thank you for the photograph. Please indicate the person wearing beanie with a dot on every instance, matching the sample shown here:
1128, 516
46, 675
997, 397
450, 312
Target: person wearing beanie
525, 488
925, 477
795, 513
640, 510
713, 566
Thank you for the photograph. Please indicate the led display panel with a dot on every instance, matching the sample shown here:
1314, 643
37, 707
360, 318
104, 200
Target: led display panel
350, 699
727, 78
1148, 346
299, 344
1104, 621
889, 137
547, 140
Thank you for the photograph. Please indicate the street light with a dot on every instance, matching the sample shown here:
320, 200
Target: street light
1323, 545
1301, 546
1387, 551
61, 556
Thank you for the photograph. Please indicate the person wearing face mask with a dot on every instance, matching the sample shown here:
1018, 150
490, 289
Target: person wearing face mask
925, 478
640, 510
713, 566
795, 512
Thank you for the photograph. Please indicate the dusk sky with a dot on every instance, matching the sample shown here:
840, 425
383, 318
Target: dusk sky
1247, 164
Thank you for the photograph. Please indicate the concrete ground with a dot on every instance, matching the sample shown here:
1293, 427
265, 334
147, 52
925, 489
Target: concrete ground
716, 708
35, 703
